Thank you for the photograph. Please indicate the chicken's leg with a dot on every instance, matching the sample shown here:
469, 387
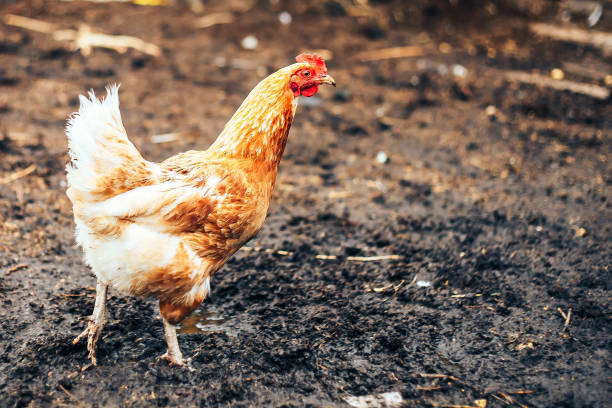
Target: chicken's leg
96, 322
173, 355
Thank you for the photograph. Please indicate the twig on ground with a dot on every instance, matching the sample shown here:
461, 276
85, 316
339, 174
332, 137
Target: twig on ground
508, 399
16, 268
29, 23
567, 316
71, 396
325, 257
379, 289
599, 39
393, 286
372, 258
360, 258
499, 398
84, 39
599, 74
339, 194
594, 91
428, 387
9, 178
213, 19
266, 250
390, 53
436, 375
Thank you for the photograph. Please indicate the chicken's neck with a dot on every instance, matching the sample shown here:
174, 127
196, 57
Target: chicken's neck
260, 127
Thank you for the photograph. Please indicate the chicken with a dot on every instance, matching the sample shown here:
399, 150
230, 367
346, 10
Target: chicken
163, 229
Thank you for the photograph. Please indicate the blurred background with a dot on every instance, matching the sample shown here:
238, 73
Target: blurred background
466, 146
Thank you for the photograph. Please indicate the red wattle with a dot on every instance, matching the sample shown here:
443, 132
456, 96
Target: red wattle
311, 90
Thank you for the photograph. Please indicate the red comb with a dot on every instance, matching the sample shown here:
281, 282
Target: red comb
315, 61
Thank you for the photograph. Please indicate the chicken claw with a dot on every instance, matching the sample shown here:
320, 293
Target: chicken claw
92, 331
173, 360
95, 323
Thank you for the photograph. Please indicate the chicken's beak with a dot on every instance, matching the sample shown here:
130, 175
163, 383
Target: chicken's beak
326, 79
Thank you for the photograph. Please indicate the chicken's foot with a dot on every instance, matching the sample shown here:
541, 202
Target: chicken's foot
173, 355
95, 323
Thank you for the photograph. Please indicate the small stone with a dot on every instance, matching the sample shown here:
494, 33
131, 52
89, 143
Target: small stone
382, 157
285, 18
557, 74
481, 403
491, 110
459, 71
250, 42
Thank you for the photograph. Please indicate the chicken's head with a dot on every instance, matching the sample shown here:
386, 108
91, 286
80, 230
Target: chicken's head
309, 75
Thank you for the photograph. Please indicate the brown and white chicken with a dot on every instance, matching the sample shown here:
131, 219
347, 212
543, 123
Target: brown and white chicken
163, 229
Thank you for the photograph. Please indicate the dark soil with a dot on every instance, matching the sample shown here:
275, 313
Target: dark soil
506, 214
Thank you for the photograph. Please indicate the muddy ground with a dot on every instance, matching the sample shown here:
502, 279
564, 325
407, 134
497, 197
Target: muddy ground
493, 211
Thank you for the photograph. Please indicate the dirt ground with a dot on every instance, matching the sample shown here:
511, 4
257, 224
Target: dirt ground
491, 211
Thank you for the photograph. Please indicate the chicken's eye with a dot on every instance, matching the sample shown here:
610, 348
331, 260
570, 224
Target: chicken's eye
306, 74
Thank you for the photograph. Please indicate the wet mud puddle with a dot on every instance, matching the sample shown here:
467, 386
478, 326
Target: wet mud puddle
203, 321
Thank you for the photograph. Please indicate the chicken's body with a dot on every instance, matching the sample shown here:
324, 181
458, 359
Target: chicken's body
163, 229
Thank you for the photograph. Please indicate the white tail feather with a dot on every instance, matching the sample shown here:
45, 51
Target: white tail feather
98, 143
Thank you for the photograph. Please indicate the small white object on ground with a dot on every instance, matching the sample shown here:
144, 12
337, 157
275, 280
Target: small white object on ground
459, 71
594, 17
423, 284
250, 42
382, 157
385, 400
285, 18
